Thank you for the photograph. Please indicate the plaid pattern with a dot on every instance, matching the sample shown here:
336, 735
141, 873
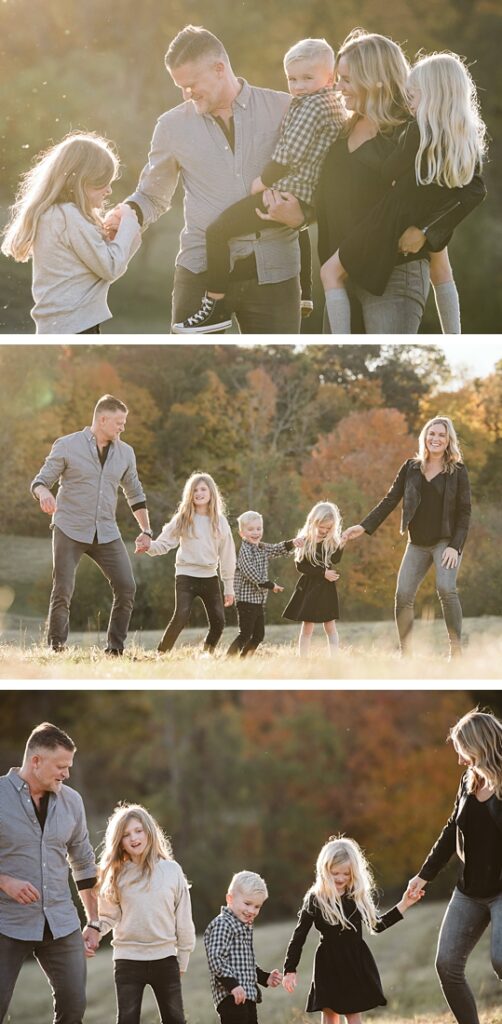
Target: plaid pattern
230, 954
251, 573
309, 128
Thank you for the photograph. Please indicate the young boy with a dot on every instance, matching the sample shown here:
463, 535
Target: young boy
251, 582
311, 125
228, 940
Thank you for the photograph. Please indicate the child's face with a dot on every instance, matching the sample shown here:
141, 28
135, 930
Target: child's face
342, 876
245, 906
306, 76
201, 495
253, 531
324, 528
97, 195
134, 839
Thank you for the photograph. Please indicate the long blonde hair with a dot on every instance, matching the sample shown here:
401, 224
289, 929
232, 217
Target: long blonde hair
478, 735
338, 851
113, 856
379, 72
60, 175
452, 455
452, 132
322, 512
183, 519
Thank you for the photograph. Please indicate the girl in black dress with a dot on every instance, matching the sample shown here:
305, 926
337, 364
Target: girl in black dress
315, 598
345, 978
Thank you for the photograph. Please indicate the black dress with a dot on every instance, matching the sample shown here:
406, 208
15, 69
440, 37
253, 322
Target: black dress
345, 976
315, 599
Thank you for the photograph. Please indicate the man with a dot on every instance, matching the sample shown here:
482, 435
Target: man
90, 466
42, 827
219, 139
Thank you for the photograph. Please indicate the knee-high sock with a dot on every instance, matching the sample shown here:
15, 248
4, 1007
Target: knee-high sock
304, 645
448, 307
338, 310
332, 639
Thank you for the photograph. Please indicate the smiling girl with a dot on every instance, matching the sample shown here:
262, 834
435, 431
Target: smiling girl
56, 221
144, 900
315, 598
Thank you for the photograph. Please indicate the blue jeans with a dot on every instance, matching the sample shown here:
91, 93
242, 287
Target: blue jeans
466, 918
413, 569
131, 979
401, 307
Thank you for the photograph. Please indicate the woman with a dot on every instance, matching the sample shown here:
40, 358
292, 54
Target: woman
475, 831
436, 512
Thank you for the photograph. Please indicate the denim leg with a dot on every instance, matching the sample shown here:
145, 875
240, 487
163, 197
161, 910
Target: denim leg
66, 554
130, 978
446, 586
115, 565
401, 307
305, 263
63, 961
463, 925
266, 308
416, 561
13, 953
209, 592
164, 978
185, 595
495, 907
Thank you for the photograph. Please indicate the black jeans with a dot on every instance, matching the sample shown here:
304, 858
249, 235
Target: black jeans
251, 628
187, 589
62, 961
113, 560
131, 979
259, 308
232, 1013
92, 330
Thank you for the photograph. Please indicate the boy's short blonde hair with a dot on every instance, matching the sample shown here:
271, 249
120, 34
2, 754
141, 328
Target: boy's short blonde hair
316, 50
248, 517
248, 883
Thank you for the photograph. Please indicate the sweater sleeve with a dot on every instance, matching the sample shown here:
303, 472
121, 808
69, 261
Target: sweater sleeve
226, 554
109, 914
388, 919
108, 260
375, 518
166, 541
297, 940
454, 209
445, 845
185, 930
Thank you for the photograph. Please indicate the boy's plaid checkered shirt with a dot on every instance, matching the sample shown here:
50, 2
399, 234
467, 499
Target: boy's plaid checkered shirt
251, 581
231, 957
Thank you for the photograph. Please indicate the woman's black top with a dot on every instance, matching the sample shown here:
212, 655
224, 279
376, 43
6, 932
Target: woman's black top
483, 851
425, 527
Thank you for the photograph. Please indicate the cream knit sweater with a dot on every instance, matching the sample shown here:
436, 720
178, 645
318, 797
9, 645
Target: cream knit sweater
200, 554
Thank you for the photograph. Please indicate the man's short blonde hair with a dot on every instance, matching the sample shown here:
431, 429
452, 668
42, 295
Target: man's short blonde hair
248, 517
318, 51
248, 883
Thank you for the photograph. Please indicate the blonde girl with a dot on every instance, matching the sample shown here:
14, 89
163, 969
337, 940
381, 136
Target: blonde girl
201, 532
57, 222
474, 830
435, 177
345, 976
315, 598
144, 900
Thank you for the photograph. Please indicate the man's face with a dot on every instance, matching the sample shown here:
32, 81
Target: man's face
50, 768
202, 82
111, 424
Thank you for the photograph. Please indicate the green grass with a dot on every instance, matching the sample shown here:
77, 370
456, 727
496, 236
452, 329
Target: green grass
404, 955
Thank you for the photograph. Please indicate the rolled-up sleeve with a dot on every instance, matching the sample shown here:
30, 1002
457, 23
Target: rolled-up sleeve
79, 850
159, 176
131, 485
53, 467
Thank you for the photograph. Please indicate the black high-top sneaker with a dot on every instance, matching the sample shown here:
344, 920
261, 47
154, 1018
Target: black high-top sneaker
212, 316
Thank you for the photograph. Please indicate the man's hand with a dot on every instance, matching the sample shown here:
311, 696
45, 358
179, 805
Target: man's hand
19, 890
257, 186
238, 994
228, 600
91, 938
282, 207
274, 979
412, 240
142, 543
46, 499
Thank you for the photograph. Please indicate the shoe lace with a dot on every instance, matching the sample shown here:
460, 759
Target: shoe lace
206, 308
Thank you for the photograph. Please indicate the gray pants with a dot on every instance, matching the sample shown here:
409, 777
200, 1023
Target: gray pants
62, 961
259, 308
413, 569
401, 307
466, 918
113, 560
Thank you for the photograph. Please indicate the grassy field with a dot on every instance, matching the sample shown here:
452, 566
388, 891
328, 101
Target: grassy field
404, 955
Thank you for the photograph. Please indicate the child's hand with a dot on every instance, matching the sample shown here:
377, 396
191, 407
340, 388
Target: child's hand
142, 544
112, 221
274, 979
331, 575
228, 600
277, 589
298, 542
409, 899
257, 186
289, 981
238, 994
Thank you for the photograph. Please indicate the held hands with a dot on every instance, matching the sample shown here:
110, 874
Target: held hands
282, 207
112, 221
257, 186
450, 558
412, 240
228, 600
91, 939
46, 499
239, 995
352, 533
409, 899
142, 544
331, 575
415, 885
274, 979
277, 589
289, 981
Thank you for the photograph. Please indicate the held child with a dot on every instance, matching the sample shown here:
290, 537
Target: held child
204, 540
435, 177
228, 939
311, 124
345, 977
252, 583
57, 221
144, 900
315, 598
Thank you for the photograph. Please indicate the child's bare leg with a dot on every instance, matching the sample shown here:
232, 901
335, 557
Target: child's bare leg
332, 636
333, 276
305, 638
329, 1017
354, 1018
445, 293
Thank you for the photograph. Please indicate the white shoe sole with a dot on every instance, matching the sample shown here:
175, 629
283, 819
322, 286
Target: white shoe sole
179, 329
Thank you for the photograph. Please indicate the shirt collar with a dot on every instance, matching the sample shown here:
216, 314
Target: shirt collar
244, 96
19, 783
235, 920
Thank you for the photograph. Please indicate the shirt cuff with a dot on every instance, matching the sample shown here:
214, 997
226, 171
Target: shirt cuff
228, 983
140, 504
138, 211
86, 883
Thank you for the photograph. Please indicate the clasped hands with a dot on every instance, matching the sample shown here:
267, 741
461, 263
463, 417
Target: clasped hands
113, 218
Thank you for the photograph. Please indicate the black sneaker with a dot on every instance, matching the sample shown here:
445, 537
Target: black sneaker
212, 316
113, 652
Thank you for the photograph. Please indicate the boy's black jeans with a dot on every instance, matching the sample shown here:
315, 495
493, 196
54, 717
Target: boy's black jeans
231, 1013
251, 628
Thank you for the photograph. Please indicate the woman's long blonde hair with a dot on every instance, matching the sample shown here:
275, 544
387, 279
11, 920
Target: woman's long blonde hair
322, 512
452, 455
183, 519
113, 857
453, 135
60, 175
379, 73
478, 736
336, 852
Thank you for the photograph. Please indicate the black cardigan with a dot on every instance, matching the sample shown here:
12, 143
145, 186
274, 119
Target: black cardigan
452, 836
407, 485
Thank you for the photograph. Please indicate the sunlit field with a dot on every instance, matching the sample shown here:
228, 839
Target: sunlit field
404, 955
367, 651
